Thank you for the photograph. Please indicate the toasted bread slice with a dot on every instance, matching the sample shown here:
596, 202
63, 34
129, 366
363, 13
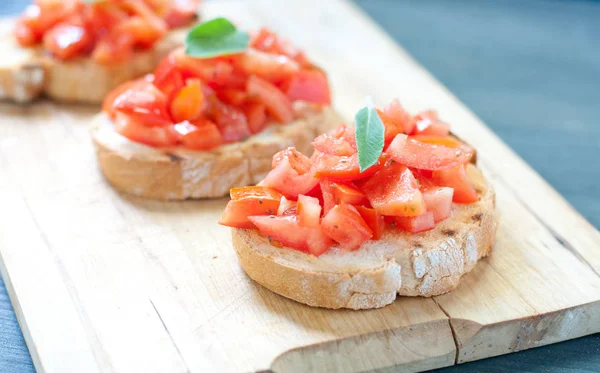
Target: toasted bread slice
179, 173
27, 73
400, 263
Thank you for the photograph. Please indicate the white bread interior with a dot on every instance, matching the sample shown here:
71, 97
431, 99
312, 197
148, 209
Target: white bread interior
400, 263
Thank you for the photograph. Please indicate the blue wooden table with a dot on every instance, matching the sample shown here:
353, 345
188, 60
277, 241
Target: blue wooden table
531, 71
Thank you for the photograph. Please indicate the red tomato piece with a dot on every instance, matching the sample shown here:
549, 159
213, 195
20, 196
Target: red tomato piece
276, 102
345, 226
429, 124
287, 207
309, 211
292, 173
348, 193
113, 48
283, 229
373, 219
168, 78
396, 120
65, 41
268, 66
138, 132
267, 41
188, 103
310, 86
394, 191
327, 193
201, 134
439, 201
232, 96
256, 116
457, 178
339, 141
343, 168
144, 103
231, 121
249, 201
426, 156
181, 13
414, 224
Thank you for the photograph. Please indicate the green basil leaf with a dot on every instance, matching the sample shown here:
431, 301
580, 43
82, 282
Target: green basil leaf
369, 137
217, 37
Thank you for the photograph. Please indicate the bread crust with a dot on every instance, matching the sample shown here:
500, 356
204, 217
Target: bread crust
179, 173
29, 73
400, 263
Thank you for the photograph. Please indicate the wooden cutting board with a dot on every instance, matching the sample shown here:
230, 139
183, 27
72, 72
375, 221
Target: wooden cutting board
103, 282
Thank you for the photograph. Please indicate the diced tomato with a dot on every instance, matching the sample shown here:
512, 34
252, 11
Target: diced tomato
267, 41
348, 193
290, 174
256, 116
426, 156
181, 13
439, 201
201, 134
142, 32
188, 103
267, 66
288, 231
396, 120
249, 201
107, 105
113, 48
65, 41
373, 219
429, 124
414, 224
231, 121
168, 78
457, 178
131, 128
327, 193
345, 226
232, 96
309, 211
287, 207
344, 168
144, 103
339, 141
308, 85
276, 102
394, 191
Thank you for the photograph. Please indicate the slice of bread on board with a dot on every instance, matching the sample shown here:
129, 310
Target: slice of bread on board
400, 263
27, 73
179, 173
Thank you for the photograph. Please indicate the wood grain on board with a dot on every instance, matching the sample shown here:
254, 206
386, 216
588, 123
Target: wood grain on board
103, 282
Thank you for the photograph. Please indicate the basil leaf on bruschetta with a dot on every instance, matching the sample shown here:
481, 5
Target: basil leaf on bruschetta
217, 37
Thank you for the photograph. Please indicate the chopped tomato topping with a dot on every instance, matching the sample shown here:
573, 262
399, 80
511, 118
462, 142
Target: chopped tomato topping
339, 141
327, 193
345, 226
426, 156
457, 178
108, 30
188, 103
414, 224
439, 201
308, 85
309, 211
276, 102
287, 207
429, 124
396, 120
394, 191
347, 193
153, 136
256, 116
344, 168
201, 134
373, 219
290, 174
249, 201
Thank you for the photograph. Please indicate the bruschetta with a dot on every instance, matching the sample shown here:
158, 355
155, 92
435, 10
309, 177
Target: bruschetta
199, 126
78, 51
328, 232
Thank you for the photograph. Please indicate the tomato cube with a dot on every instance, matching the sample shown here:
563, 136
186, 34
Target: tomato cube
344, 225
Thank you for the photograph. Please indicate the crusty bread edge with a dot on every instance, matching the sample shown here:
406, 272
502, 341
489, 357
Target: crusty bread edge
421, 266
178, 174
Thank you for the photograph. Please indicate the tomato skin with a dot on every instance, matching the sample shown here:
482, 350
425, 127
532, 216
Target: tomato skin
414, 224
256, 116
345, 226
348, 193
276, 102
426, 156
439, 201
290, 174
310, 86
457, 178
188, 103
373, 219
131, 128
339, 141
249, 201
201, 134
344, 168
309, 211
394, 191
